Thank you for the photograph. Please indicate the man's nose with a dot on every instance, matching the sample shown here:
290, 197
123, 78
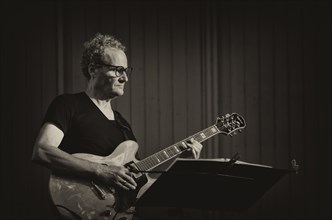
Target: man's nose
123, 77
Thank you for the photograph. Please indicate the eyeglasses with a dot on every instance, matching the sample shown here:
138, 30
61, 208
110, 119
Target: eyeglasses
119, 70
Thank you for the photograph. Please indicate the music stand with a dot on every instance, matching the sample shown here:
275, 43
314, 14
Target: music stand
211, 184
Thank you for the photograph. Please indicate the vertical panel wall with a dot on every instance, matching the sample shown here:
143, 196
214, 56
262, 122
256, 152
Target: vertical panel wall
193, 61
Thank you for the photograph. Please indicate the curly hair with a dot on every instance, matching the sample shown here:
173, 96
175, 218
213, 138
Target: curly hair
94, 49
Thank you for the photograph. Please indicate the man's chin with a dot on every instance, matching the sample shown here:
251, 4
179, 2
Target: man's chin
120, 93
117, 94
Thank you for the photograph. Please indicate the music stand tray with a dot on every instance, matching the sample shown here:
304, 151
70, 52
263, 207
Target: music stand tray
213, 184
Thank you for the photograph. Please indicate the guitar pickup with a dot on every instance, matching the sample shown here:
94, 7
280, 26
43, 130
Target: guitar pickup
100, 191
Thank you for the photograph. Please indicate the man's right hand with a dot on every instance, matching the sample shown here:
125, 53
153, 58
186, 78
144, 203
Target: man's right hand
117, 175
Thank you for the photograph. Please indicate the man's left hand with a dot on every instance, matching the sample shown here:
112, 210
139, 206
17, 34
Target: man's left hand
196, 147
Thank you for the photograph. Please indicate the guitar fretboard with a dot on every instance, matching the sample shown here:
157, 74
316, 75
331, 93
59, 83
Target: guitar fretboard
170, 152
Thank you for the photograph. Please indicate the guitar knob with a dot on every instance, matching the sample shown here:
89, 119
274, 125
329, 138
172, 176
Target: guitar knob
106, 213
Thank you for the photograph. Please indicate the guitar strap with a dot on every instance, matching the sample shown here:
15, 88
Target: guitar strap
124, 129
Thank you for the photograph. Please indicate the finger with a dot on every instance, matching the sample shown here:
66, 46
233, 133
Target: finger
198, 154
197, 144
191, 148
194, 147
126, 184
130, 180
191, 141
194, 153
127, 176
126, 171
197, 147
123, 186
189, 144
122, 183
194, 143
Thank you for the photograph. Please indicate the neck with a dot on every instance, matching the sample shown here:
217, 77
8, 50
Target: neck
95, 93
97, 98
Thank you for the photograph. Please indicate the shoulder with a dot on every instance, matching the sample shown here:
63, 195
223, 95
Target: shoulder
63, 110
66, 104
68, 98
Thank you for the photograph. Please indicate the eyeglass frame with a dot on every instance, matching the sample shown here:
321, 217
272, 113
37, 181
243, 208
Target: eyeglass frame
118, 69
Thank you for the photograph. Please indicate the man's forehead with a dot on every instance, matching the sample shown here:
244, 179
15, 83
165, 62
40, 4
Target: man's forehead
113, 55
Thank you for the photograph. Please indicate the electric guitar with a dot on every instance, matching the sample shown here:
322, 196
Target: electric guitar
90, 199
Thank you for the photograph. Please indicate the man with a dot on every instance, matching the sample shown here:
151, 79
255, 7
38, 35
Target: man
85, 122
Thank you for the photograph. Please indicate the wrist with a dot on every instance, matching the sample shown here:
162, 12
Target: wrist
98, 171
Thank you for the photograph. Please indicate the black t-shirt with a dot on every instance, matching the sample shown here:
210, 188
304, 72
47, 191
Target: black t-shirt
86, 129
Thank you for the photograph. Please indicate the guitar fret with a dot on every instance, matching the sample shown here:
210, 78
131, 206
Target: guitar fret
164, 155
205, 134
157, 159
164, 152
145, 166
160, 157
153, 161
139, 166
173, 151
150, 164
170, 152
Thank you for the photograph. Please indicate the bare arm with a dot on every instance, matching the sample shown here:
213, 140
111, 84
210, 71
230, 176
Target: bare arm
47, 153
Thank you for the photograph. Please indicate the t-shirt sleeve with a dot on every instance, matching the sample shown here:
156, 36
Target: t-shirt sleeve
60, 112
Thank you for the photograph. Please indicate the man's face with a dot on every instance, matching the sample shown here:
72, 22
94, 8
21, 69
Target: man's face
108, 85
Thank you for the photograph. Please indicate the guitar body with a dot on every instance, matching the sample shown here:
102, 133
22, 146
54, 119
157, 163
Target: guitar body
82, 198
87, 199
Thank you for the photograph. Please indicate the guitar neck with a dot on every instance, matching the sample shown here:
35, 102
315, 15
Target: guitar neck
172, 151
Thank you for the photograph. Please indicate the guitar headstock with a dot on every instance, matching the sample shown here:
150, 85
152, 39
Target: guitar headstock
230, 124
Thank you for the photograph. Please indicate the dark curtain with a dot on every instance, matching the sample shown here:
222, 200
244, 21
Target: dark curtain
269, 61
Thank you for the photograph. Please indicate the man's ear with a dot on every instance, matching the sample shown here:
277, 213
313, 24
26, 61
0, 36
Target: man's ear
92, 70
